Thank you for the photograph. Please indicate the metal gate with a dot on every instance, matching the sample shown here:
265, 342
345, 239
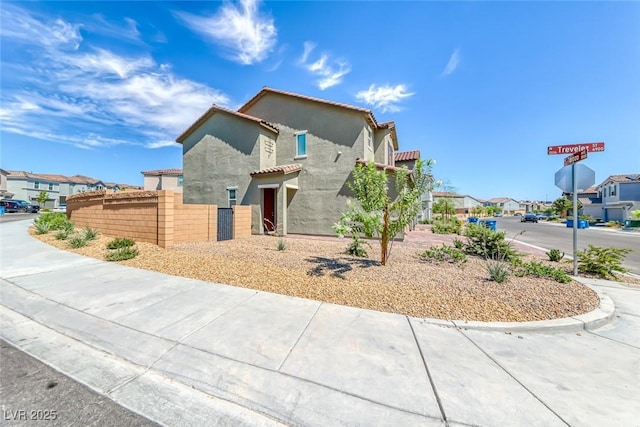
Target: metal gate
225, 224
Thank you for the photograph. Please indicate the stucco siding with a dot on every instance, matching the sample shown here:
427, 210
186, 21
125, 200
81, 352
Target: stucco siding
152, 183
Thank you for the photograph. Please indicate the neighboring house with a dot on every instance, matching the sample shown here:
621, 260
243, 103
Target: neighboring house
28, 185
619, 194
163, 179
505, 203
3, 184
287, 155
462, 202
591, 202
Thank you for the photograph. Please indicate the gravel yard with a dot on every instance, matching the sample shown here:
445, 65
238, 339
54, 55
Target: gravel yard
318, 269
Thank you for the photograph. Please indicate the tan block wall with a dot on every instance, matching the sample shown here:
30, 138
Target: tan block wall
241, 221
157, 217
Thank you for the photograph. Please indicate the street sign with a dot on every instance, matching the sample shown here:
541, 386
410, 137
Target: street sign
586, 178
592, 147
575, 158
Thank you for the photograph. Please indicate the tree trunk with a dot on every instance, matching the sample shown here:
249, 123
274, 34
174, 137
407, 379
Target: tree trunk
384, 242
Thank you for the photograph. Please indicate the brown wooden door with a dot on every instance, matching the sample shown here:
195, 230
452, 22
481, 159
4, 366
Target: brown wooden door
269, 209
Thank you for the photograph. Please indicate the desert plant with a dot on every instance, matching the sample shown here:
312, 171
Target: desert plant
498, 270
445, 253
77, 242
55, 220
41, 227
635, 214
538, 269
62, 234
356, 247
120, 242
484, 242
281, 245
458, 244
90, 233
602, 262
122, 253
555, 255
446, 226
613, 224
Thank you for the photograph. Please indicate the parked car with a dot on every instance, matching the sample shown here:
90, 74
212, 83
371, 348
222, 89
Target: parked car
497, 214
542, 217
517, 214
529, 217
11, 206
62, 207
28, 207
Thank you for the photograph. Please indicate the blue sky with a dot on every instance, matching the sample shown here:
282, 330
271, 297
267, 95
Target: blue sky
104, 88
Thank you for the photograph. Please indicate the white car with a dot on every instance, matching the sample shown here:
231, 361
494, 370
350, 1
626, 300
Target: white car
62, 207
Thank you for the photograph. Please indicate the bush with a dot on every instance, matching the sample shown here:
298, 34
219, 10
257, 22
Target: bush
443, 226
55, 220
635, 214
62, 235
614, 224
281, 245
602, 262
445, 253
426, 221
120, 242
538, 269
485, 242
41, 227
555, 255
122, 253
77, 242
356, 248
90, 233
498, 270
458, 244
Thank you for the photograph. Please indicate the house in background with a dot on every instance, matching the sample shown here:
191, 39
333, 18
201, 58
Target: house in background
28, 185
287, 155
508, 205
163, 179
463, 203
3, 184
620, 194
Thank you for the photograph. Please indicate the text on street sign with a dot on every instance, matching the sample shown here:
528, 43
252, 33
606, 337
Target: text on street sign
575, 158
591, 147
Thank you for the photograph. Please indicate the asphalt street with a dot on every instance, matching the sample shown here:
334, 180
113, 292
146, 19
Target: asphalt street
553, 235
32, 393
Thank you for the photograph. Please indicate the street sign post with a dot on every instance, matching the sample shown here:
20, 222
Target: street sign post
574, 158
592, 147
576, 181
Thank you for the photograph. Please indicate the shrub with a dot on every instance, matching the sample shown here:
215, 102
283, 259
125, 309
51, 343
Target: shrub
614, 224
635, 214
555, 255
443, 226
356, 248
458, 244
485, 242
90, 233
538, 269
120, 242
498, 270
62, 235
445, 253
426, 221
281, 245
77, 242
122, 253
55, 220
41, 227
602, 262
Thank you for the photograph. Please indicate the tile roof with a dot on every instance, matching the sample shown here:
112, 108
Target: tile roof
158, 172
405, 156
46, 177
218, 109
447, 194
266, 90
499, 199
378, 165
82, 179
630, 177
284, 169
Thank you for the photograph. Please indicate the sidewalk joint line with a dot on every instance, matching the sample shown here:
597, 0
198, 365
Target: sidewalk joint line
299, 337
426, 368
595, 333
514, 378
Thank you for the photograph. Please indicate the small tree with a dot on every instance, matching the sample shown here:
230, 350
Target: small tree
562, 205
375, 214
42, 197
445, 207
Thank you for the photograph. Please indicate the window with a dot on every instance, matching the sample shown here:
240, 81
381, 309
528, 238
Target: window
36, 184
232, 193
612, 190
301, 144
50, 186
367, 136
390, 159
605, 192
180, 180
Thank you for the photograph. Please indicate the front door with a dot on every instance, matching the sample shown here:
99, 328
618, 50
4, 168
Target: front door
269, 209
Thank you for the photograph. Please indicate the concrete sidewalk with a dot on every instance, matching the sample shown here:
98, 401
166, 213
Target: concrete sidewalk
185, 352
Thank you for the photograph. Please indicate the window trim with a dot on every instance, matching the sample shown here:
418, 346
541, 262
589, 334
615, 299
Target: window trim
36, 185
369, 138
306, 151
180, 180
229, 199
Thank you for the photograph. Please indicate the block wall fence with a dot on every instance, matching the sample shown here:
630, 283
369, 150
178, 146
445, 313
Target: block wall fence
157, 217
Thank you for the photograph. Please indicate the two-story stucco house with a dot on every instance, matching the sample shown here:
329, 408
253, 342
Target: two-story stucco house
463, 202
507, 204
163, 179
287, 155
619, 194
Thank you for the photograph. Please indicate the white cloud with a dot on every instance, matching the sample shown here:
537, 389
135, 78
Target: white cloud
385, 97
93, 98
453, 63
330, 72
18, 25
249, 36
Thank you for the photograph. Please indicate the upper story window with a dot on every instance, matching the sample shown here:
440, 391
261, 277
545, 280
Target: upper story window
612, 190
390, 159
605, 192
301, 144
232, 194
368, 137
50, 186
36, 184
180, 180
